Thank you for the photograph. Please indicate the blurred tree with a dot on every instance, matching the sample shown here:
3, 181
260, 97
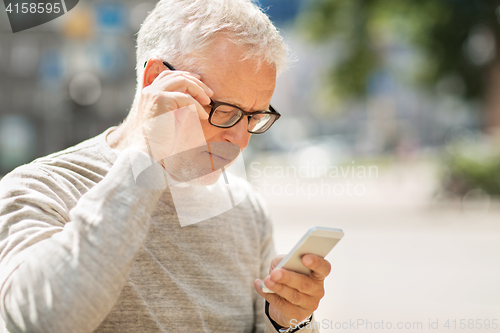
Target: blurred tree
457, 43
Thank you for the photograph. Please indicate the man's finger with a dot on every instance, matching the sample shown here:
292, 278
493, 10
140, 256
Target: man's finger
300, 282
292, 295
320, 267
185, 85
282, 305
173, 100
197, 79
183, 100
165, 76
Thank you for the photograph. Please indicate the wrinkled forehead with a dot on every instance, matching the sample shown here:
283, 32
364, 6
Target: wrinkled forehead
234, 76
226, 57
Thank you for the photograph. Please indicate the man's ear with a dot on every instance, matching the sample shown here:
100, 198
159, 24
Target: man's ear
153, 68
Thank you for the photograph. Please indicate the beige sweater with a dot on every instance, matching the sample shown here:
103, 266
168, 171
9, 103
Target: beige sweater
84, 249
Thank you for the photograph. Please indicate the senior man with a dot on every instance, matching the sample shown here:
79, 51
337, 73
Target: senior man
87, 247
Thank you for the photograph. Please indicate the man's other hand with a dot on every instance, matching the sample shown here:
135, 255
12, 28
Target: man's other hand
296, 295
162, 111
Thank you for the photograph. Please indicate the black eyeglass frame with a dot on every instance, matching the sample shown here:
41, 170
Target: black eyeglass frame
215, 104
272, 111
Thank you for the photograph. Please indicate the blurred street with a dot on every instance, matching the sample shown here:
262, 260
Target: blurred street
404, 258
412, 87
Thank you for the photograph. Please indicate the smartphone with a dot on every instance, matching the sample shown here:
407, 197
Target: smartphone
318, 240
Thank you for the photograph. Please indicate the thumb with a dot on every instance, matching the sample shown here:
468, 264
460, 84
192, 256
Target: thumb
276, 261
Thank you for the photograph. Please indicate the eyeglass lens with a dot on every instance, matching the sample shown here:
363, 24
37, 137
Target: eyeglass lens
227, 116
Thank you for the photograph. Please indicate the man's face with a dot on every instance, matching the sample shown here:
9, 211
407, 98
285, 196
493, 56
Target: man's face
236, 82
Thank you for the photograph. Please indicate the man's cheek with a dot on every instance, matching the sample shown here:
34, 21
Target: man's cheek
210, 132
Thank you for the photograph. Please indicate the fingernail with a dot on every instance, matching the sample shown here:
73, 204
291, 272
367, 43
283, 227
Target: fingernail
308, 261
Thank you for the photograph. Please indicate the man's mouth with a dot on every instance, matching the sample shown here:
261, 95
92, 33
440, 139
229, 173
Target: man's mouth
217, 162
217, 157
205, 159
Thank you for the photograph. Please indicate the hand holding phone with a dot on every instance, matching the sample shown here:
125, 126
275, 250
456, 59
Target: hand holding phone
318, 241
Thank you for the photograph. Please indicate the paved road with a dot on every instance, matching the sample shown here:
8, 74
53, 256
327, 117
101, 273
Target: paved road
406, 263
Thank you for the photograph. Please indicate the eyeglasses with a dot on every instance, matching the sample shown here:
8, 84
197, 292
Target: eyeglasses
224, 115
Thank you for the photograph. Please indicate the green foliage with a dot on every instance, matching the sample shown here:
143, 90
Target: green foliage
466, 170
437, 30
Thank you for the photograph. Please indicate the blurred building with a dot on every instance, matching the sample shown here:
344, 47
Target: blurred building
66, 80
70, 79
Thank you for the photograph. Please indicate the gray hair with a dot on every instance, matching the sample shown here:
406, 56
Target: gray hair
176, 29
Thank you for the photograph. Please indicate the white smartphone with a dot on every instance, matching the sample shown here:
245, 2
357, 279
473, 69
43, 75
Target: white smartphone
318, 241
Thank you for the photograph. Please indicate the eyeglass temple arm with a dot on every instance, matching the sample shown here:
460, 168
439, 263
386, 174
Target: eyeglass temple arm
165, 63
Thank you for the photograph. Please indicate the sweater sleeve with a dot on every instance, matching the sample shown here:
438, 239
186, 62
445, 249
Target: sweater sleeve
63, 271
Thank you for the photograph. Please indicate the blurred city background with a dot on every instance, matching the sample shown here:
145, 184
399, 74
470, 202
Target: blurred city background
389, 130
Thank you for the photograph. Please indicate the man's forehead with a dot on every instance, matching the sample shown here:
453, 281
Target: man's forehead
235, 77
222, 54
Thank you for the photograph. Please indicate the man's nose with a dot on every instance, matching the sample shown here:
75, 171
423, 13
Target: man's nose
238, 134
